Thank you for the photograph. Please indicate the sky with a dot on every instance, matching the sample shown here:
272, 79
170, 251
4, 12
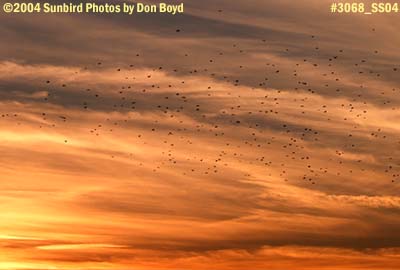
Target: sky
253, 134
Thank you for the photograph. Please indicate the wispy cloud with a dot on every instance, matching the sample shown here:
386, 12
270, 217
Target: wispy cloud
233, 143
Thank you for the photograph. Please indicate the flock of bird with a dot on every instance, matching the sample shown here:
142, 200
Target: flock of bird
245, 127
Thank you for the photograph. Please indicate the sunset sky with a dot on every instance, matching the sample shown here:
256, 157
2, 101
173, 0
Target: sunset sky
240, 135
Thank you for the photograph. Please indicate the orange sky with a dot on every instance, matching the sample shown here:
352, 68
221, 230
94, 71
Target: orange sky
261, 136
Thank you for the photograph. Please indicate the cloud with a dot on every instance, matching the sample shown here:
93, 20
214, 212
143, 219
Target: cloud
235, 143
